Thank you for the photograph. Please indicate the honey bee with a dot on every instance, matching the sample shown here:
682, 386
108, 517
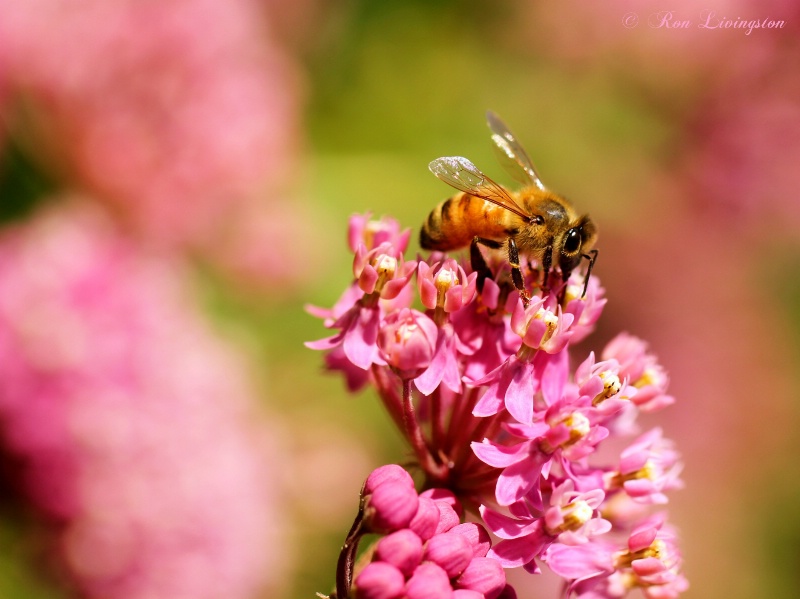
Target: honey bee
533, 222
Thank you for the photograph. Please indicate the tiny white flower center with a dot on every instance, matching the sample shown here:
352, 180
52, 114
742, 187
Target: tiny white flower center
444, 280
372, 227
550, 320
579, 513
579, 426
572, 292
385, 266
405, 332
650, 376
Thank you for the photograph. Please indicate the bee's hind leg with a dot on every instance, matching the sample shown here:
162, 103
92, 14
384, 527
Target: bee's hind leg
477, 260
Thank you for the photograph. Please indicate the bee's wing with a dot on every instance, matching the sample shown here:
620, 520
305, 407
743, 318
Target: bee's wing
465, 176
511, 154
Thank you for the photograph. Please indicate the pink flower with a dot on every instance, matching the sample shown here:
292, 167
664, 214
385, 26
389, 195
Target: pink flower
380, 274
642, 371
647, 468
444, 367
586, 310
651, 562
111, 386
406, 342
541, 327
381, 271
445, 287
600, 384
571, 518
371, 233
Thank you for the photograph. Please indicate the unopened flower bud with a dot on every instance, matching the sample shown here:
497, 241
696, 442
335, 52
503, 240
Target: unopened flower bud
426, 520
379, 580
445, 495
402, 549
450, 551
448, 518
390, 507
484, 575
476, 535
429, 581
385, 473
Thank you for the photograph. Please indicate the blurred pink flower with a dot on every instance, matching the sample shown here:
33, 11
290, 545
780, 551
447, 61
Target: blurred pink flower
182, 114
743, 144
134, 424
666, 46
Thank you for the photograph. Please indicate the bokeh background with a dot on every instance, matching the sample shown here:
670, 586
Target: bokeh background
175, 180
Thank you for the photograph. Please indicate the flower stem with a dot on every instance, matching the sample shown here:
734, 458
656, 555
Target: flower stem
344, 567
433, 469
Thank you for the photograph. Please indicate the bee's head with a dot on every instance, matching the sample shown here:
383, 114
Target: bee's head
578, 240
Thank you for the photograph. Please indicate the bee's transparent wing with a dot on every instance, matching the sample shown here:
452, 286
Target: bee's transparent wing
465, 176
511, 154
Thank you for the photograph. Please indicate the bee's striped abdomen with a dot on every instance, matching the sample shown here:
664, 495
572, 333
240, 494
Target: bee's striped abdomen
456, 221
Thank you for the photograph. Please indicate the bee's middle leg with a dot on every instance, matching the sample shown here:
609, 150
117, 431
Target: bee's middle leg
516, 272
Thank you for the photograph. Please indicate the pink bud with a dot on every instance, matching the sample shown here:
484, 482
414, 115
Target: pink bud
426, 520
407, 340
476, 535
379, 580
467, 593
390, 507
429, 581
484, 575
381, 474
447, 517
508, 592
402, 549
451, 551
445, 495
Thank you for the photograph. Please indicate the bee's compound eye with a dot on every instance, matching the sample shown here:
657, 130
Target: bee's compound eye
573, 241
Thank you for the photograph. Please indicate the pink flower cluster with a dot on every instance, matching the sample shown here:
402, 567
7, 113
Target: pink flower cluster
133, 425
482, 386
426, 551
